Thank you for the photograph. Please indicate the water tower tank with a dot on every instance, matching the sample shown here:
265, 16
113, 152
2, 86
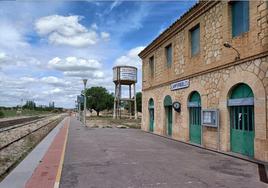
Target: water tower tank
124, 75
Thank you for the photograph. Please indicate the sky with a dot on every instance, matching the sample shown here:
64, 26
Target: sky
48, 47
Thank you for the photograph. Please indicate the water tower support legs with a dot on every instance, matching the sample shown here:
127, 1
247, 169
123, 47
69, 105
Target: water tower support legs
115, 96
135, 102
129, 103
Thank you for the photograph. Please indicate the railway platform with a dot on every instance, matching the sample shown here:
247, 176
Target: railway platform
73, 155
40, 167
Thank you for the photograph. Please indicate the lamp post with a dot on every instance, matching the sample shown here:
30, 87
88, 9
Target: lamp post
85, 100
228, 45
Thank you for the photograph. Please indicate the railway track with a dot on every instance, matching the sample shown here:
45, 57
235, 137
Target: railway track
8, 123
18, 141
25, 135
8, 128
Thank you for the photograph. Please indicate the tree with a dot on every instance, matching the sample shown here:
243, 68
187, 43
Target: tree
139, 101
29, 105
98, 99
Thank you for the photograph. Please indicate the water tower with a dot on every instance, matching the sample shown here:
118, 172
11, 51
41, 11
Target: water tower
124, 76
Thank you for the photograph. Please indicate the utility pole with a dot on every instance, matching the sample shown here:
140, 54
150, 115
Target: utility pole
79, 110
85, 100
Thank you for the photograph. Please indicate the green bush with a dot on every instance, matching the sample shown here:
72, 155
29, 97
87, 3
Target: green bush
2, 114
55, 111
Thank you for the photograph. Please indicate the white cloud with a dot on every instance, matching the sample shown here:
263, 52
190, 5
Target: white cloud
85, 74
94, 26
80, 40
7, 60
41, 90
53, 91
10, 36
54, 81
66, 30
2, 58
131, 58
67, 26
25, 71
77, 67
74, 64
105, 36
115, 4
28, 80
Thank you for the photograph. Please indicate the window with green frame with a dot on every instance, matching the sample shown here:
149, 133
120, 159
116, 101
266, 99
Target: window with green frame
195, 40
151, 64
168, 50
240, 17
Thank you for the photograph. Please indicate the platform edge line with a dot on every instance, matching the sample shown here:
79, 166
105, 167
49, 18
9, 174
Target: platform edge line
58, 177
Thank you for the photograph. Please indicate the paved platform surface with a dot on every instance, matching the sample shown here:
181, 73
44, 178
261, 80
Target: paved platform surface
115, 158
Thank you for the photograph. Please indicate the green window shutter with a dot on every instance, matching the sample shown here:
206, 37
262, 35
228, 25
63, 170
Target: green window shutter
240, 17
195, 40
169, 55
151, 63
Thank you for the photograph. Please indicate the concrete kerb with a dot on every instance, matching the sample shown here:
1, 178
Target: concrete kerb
262, 166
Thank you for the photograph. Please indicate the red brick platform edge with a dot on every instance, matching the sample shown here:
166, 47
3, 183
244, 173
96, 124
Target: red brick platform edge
45, 174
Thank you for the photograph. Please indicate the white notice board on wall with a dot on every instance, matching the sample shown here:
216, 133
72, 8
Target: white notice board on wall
210, 117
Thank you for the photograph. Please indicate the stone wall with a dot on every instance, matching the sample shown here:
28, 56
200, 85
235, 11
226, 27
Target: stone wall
214, 89
213, 21
179, 55
213, 83
263, 22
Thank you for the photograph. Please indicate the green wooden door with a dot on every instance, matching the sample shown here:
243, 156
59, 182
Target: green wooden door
151, 114
168, 111
151, 128
242, 121
195, 118
169, 120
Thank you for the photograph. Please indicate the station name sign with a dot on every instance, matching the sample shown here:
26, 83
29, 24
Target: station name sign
180, 85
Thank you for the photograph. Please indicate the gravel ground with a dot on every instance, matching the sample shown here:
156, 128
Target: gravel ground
13, 118
109, 122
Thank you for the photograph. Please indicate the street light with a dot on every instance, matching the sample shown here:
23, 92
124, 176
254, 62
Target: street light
85, 100
228, 45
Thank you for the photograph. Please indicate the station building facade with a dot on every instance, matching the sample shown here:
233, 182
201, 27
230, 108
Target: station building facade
189, 64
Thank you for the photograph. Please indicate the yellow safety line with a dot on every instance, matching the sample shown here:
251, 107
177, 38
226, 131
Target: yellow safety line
57, 181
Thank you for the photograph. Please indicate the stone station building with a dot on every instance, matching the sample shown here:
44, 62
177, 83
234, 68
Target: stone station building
188, 63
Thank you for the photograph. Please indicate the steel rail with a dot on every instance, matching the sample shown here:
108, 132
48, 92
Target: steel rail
24, 136
8, 123
4, 129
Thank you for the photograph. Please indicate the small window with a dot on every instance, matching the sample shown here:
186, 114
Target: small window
151, 64
195, 40
169, 55
240, 17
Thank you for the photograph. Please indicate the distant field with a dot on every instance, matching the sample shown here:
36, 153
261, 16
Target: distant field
13, 113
